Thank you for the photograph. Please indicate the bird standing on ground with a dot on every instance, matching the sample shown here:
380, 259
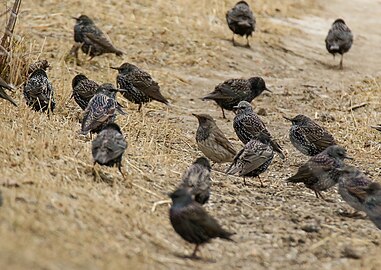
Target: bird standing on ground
320, 172
211, 141
83, 90
3, 94
229, 93
93, 41
308, 137
241, 21
139, 85
192, 222
339, 39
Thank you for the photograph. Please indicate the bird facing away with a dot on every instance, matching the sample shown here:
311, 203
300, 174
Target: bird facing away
40, 64
308, 137
101, 109
192, 222
3, 94
231, 92
197, 180
339, 39
83, 90
320, 172
254, 158
241, 21
139, 85
212, 142
94, 41
38, 92
247, 124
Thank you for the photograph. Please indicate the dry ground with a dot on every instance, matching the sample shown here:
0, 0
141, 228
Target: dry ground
55, 216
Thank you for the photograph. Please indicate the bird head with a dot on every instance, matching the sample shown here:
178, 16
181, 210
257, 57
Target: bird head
77, 79
258, 85
125, 68
204, 119
337, 152
243, 106
339, 20
204, 162
109, 90
113, 126
300, 119
83, 19
181, 196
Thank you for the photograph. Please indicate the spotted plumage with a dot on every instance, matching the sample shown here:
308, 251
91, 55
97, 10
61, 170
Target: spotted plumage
3, 94
83, 90
241, 20
40, 64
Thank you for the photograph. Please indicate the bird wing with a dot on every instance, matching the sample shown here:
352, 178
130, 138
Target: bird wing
5, 85
233, 88
318, 136
223, 141
239, 14
110, 145
144, 82
253, 158
373, 208
98, 39
99, 110
254, 127
87, 89
309, 172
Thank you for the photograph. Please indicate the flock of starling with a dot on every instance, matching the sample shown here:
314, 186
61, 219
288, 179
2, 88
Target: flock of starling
325, 168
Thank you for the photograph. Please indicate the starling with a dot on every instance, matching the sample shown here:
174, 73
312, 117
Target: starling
241, 21
197, 180
94, 41
140, 86
83, 90
38, 91
211, 141
3, 94
320, 172
339, 39
229, 93
254, 158
308, 137
192, 222
377, 127
247, 124
101, 109
40, 64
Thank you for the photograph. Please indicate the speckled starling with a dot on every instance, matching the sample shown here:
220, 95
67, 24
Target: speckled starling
3, 94
101, 109
320, 172
308, 137
38, 92
377, 127
140, 86
94, 41
83, 90
339, 39
211, 141
192, 222
247, 124
254, 158
241, 21
40, 64
229, 93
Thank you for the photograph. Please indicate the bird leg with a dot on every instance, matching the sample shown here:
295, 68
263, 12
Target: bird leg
341, 62
233, 41
194, 251
247, 42
244, 180
140, 106
129, 185
260, 180
95, 172
160, 203
223, 113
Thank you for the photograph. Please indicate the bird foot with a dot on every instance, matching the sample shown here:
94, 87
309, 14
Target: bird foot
160, 203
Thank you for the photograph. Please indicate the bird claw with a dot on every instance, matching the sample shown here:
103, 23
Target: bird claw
160, 203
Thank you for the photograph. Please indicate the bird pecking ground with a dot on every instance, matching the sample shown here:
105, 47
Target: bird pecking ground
56, 216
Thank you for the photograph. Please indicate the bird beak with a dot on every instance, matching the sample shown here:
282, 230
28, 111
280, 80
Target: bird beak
236, 107
266, 89
289, 119
195, 115
75, 18
117, 68
348, 157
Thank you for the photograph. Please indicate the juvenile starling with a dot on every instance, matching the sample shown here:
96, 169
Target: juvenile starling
308, 137
38, 91
101, 109
108, 147
229, 93
211, 141
139, 85
3, 94
377, 127
247, 124
94, 41
254, 158
83, 90
192, 222
197, 180
241, 21
320, 172
40, 64
339, 39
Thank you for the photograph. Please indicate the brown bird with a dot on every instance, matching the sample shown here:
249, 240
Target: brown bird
3, 94
211, 141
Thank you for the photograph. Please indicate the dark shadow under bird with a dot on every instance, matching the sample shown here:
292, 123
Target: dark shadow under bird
339, 39
3, 94
231, 92
139, 85
192, 222
83, 90
241, 21
308, 137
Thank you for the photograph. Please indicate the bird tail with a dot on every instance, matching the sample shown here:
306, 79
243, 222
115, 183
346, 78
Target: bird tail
377, 127
211, 96
5, 96
119, 52
277, 148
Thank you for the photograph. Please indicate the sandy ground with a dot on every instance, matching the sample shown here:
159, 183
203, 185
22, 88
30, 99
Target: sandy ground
55, 216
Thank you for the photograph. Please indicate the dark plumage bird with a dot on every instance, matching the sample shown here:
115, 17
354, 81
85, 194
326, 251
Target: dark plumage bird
377, 127
197, 180
254, 158
139, 85
247, 124
101, 109
339, 39
192, 222
229, 93
94, 41
241, 21
38, 91
3, 94
211, 141
308, 137
321, 171
40, 64
83, 90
